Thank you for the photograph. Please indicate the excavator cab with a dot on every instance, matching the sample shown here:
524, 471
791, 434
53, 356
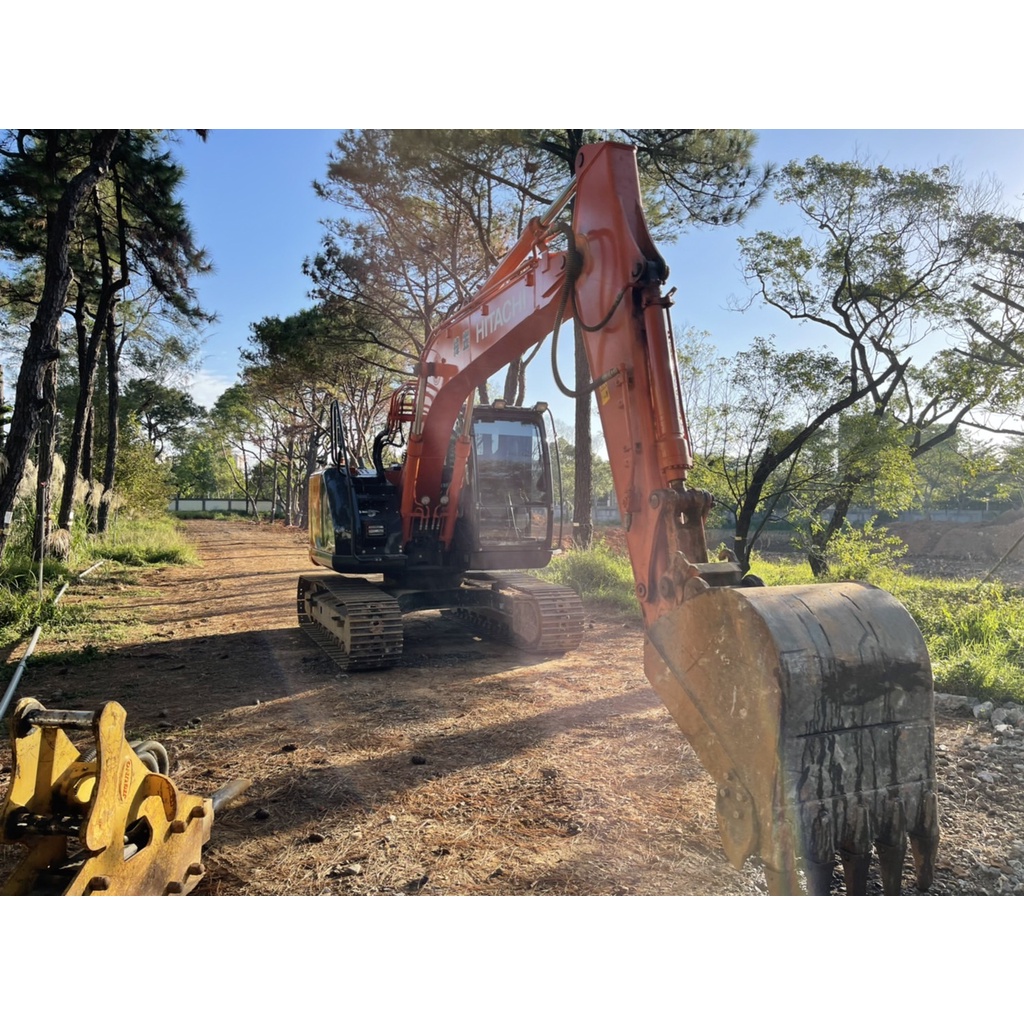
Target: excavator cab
508, 505
506, 511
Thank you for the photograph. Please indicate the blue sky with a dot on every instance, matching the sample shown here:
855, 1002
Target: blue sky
252, 207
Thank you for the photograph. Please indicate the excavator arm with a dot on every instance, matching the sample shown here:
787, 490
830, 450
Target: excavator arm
811, 707
604, 270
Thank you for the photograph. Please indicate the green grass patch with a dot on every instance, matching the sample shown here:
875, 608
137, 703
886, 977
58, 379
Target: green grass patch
130, 545
21, 609
598, 575
141, 543
974, 634
786, 571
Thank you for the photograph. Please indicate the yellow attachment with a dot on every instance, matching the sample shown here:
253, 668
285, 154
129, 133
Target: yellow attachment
106, 825
812, 709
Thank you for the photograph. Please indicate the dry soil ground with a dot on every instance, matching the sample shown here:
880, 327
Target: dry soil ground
469, 769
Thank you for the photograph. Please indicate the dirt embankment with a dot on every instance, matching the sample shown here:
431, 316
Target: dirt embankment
967, 549
469, 769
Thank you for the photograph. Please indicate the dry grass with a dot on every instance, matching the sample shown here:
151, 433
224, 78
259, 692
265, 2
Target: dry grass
544, 784
470, 769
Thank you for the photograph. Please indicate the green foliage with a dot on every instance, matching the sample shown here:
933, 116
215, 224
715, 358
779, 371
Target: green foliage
975, 635
862, 552
887, 241
597, 574
144, 484
781, 572
131, 543
153, 541
21, 611
873, 461
202, 468
882, 259
20, 607
963, 470
1010, 486
164, 413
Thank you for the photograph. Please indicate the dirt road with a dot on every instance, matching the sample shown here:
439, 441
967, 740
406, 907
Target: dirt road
470, 769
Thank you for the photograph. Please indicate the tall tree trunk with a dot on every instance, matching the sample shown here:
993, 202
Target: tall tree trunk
289, 514
43, 349
47, 435
820, 536
113, 350
515, 378
89, 343
274, 485
743, 545
75, 465
88, 362
88, 452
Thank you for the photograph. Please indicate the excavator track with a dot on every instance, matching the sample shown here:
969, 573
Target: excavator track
529, 613
354, 622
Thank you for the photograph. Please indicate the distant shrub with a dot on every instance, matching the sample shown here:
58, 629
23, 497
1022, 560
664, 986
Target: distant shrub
858, 552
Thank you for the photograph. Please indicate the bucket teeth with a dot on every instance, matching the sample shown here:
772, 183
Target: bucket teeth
924, 842
819, 877
782, 883
820, 864
855, 851
891, 846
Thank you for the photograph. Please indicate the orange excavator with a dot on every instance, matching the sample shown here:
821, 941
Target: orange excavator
811, 706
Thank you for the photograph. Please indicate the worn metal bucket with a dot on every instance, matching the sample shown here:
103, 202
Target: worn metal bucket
812, 709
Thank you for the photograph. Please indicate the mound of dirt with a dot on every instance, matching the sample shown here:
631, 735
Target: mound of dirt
978, 542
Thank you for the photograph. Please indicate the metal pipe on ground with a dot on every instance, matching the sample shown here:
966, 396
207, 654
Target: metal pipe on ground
229, 793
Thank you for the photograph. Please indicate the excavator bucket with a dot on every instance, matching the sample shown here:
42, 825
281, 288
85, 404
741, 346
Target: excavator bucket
812, 709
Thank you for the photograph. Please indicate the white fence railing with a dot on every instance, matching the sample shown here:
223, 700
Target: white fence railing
218, 505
